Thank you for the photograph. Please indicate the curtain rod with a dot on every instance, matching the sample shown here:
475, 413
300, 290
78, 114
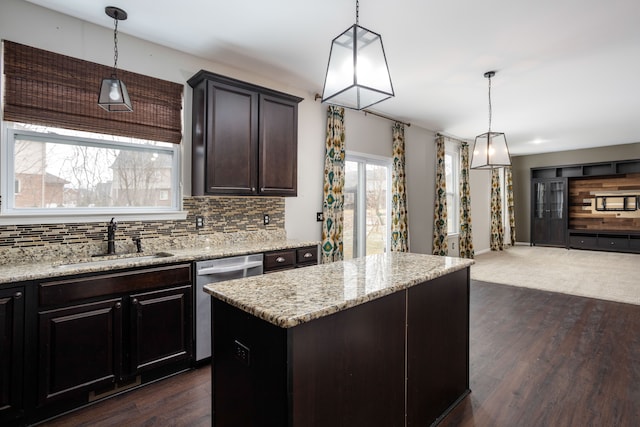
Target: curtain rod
318, 96
452, 137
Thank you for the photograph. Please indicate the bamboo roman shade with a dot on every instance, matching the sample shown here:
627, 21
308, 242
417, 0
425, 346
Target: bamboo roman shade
50, 89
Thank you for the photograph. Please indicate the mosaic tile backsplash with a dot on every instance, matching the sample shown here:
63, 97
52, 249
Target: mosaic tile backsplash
225, 218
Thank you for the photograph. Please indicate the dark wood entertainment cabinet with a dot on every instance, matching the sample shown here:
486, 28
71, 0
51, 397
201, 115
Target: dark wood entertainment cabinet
559, 195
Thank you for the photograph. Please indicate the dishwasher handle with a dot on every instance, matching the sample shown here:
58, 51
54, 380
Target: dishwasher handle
229, 268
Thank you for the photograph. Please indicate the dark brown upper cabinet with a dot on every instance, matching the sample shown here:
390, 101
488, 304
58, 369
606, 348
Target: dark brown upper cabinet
245, 138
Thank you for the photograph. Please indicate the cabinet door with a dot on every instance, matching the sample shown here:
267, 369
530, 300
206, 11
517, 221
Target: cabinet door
557, 211
549, 212
278, 144
80, 349
11, 345
231, 141
161, 328
437, 346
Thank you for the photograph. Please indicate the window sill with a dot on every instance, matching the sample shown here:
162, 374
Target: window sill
25, 219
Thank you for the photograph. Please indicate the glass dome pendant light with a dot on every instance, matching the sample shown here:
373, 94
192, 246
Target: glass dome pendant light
357, 73
113, 92
490, 149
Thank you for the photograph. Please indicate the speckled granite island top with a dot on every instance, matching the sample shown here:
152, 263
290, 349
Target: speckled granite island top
292, 297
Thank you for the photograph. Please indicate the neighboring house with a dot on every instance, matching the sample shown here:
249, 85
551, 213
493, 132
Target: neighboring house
141, 179
34, 190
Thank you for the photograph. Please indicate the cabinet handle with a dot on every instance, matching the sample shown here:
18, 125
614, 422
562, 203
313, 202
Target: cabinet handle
253, 188
118, 305
135, 301
307, 255
262, 189
17, 295
280, 259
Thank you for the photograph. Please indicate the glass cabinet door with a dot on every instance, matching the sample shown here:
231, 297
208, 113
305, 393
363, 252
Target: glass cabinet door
556, 199
539, 208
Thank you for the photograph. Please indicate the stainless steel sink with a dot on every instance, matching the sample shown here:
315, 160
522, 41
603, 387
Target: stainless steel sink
113, 260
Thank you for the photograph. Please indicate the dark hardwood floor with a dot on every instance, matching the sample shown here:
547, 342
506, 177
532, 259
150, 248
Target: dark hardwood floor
547, 359
537, 359
181, 400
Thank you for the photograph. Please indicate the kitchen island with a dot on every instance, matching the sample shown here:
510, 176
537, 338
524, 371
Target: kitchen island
376, 341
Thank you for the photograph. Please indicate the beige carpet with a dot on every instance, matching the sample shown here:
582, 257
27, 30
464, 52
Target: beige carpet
604, 275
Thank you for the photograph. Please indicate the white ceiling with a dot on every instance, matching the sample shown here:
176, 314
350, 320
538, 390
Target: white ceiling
568, 71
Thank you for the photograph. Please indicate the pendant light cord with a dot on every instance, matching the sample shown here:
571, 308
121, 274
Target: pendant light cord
115, 46
357, 12
489, 104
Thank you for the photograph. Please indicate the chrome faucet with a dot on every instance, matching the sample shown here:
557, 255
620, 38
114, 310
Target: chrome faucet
111, 237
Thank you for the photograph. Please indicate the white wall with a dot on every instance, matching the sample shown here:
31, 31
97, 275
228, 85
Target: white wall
25, 23
480, 183
420, 153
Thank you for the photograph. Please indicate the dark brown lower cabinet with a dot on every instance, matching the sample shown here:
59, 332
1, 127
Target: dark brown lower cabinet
160, 333
11, 354
400, 360
80, 349
102, 334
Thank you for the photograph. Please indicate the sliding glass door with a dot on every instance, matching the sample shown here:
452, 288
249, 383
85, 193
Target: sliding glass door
367, 205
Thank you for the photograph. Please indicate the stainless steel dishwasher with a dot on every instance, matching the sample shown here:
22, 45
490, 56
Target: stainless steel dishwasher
212, 271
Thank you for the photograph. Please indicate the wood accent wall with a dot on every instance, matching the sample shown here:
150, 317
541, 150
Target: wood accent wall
582, 213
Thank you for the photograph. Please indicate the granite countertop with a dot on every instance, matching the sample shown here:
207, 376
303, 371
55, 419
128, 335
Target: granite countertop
12, 273
292, 297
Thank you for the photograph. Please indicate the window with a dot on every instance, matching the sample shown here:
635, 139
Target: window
62, 172
367, 205
452, 175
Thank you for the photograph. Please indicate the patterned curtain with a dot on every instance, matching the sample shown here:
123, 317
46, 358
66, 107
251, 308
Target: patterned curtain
508, 178
497, 230
399, 225
440, 245
465, 244
333, 199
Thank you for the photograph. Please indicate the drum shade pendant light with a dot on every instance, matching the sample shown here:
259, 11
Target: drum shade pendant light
490, 149
113, 92
357, 72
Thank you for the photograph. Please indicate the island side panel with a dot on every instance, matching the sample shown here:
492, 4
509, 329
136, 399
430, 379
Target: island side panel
249, 369
437, 347
348, 368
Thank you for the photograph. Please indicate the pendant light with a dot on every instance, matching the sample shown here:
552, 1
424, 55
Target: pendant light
490, 149
357, 72
113, 92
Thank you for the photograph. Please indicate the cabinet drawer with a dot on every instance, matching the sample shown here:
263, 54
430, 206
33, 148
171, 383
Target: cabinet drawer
70, 290
307, 256
613, 243
634, 243
580, 241
279, 260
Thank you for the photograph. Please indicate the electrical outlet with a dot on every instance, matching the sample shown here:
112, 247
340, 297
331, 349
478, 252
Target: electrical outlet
266, 219
199, 221
319, 216
241, 352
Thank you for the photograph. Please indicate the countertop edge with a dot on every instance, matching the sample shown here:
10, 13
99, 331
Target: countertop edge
292, 321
